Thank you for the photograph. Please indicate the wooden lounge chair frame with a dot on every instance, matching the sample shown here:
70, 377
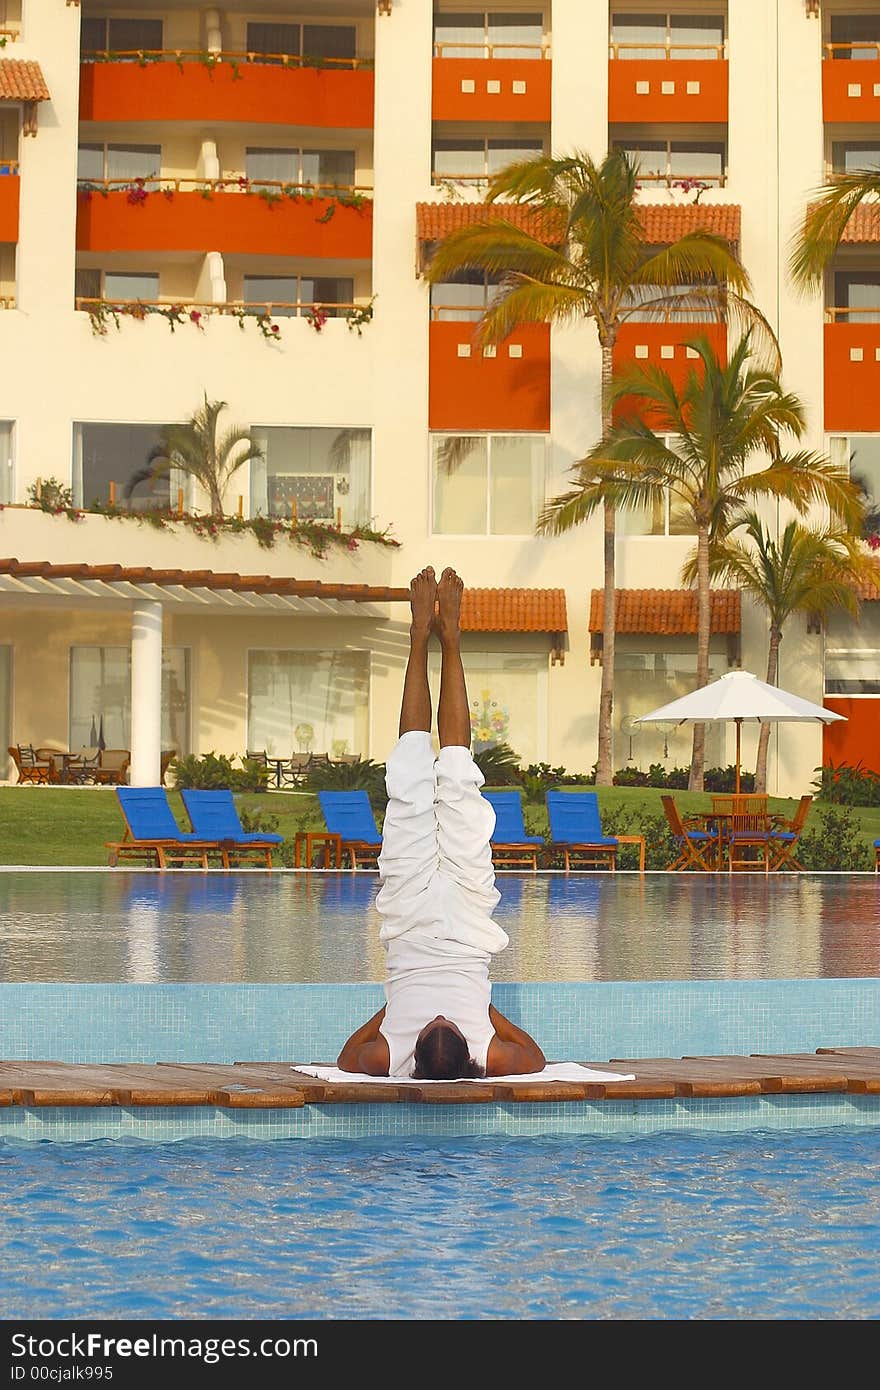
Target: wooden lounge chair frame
161, 853
785, 859
690, 855
510, 851
584, 854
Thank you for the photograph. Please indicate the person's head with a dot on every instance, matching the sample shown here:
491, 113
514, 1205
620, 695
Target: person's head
441, 1053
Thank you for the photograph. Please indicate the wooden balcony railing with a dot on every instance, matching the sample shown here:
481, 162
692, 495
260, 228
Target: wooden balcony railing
830, 49
836, 313
8, 166
8, 35
7, 301
211, 57
461, 313
352, 195
674, 51
687, 182
492, 50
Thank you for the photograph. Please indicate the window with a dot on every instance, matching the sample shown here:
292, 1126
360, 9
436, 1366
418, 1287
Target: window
7, 488
327, 41
847, 155
104, 453
333, 168
852, 672
648, 672
861, 453
116, 284
119, 36
295, 294
686, 36
671, 162
508, 699
662, 517
323, 472
100, 697
488, 34
860, 30
316, 702
858, 291
647, 294
475, 161
119, 163
463, 297
487, 485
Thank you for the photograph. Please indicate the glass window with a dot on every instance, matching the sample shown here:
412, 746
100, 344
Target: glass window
862, 453
465, 159
459, 35
645, 678
487, 484
315, 702
90, 162
515, 35
649, 156
274, 39
324, 473
87, 283
105, 453
92, 34
279, 291
7, 489
5, 709
271, 166
100, 697
849, 155
704, 31
858, 290
500, 153
328, 41
852, 673
462, 298
662, 516
129, 35
638, 29
696, 159
134, 162
333, 167
130, 285
687, 36
508, 698
857, 29
331, 292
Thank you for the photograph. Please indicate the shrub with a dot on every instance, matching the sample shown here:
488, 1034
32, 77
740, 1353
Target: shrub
836, 843
843, 784
499, 765
213, 771
361, 775
255, 822
723, 779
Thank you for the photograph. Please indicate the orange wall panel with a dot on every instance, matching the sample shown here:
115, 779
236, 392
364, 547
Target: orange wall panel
662, 345
510, 391
848, 90
852, 376
503, 89
690, 90
319, 97
9, 186
229, 222
856, 741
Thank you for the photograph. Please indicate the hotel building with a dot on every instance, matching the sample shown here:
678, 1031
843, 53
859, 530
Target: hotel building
238, 204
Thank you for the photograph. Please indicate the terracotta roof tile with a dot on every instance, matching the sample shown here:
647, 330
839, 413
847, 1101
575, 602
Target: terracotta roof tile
22, 81
663, 223
665, 611
513, 610
868, 591
863, 225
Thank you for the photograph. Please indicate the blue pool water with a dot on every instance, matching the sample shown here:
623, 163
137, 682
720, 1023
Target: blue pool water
693, 1226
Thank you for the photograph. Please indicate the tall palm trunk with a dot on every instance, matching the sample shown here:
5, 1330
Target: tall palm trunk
604, 769
704, 628
764, 736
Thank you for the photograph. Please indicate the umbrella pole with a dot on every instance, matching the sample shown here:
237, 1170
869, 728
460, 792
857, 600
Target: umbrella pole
738, 729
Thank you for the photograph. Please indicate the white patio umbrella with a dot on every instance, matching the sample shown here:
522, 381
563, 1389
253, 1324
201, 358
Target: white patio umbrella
739, 696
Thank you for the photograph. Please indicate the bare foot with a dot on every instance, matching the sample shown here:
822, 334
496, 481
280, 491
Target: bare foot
422, 600
449, 591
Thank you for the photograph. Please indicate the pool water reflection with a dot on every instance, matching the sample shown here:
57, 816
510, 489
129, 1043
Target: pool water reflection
192, 927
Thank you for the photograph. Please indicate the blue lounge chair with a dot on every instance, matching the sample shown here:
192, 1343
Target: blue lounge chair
510, 843
214, 816
576, 830
350, 816
152, 833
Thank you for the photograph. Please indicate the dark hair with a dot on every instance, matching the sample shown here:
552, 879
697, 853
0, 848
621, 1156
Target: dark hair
443, 1056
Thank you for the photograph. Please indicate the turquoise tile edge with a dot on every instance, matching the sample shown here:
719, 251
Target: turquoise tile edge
584, 1021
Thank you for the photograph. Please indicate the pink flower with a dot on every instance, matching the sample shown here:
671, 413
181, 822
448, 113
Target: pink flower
196, 318
275, 328
874, 541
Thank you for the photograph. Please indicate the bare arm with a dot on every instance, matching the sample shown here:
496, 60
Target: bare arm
512, 1052
366, 1050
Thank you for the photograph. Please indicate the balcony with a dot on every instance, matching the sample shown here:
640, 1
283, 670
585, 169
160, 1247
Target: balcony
206, 214
170, 86
662, 89
504, 387
491, 89
852, 372
9, 188
664, 345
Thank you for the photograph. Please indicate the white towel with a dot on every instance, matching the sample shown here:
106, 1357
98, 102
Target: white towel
554, 1071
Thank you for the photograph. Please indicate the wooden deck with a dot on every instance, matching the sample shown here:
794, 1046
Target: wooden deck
274, 1085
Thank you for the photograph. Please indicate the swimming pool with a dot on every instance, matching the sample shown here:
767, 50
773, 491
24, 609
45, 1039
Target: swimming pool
686, 1226
236, 928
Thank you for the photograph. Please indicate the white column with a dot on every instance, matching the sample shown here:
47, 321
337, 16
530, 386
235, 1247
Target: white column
146, 694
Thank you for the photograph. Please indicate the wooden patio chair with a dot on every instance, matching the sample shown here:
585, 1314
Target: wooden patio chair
748, 840
696, 847
113, 768
28, 766
784, 835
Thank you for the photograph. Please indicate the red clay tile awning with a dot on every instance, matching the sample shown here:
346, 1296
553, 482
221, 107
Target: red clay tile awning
513, 610
864, 224
663, 223
868, 591
665, 612
22, 81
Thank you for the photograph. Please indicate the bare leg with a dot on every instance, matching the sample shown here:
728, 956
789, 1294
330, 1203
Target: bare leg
415, 708
453, 715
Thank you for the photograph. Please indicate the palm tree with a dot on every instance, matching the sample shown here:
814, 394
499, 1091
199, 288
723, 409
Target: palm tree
587, 258
824, 223
807, 570
197, 450
709, 428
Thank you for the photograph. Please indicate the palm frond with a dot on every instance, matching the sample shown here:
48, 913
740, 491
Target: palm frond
824, 223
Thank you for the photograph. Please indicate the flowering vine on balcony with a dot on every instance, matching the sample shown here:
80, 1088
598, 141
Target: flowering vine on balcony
106, 313
138, 190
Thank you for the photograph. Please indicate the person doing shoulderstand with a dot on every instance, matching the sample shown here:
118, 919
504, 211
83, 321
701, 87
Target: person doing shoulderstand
437, 890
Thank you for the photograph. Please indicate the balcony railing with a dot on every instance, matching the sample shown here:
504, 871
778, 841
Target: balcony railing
492, 50
8, 166
688, 183
830, 49
7, 301
103, 312
838, 313
676, 51
349, 195
211, 58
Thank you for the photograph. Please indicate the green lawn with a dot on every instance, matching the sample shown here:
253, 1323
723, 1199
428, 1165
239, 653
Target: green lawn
51, 826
